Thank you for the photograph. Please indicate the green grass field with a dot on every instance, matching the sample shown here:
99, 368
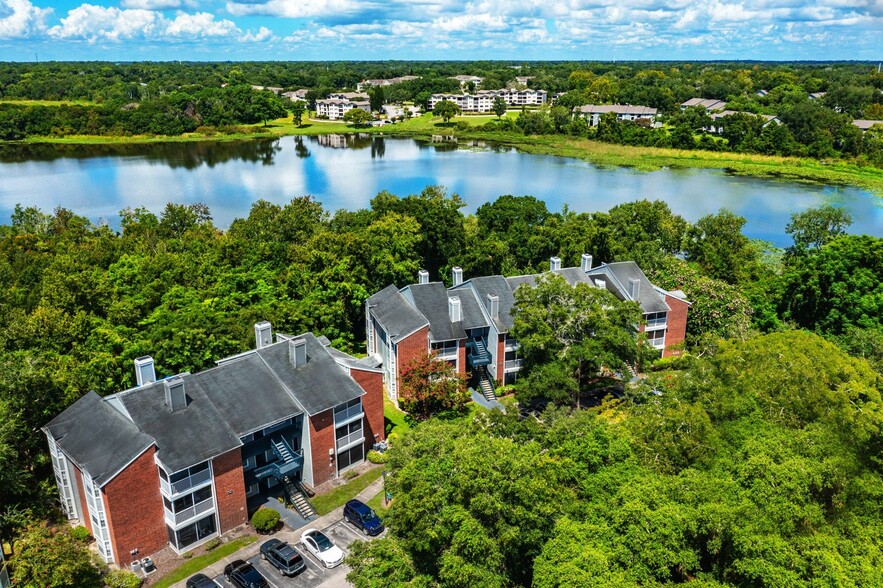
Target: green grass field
340, 495
23, 102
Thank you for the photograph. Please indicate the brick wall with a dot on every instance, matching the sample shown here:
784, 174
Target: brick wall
321, 440
230, 490
81, 492
134, 509
461, 357
372, 404
676, 325
407, 349
501, 357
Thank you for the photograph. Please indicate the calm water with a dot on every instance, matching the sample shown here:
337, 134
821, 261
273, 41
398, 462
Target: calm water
347, 171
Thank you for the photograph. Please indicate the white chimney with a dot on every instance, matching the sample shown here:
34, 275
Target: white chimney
493, 306
585, 262
454, 309
423, 277
263, 334
144, 370
634, 288
176, 399
554, 264
457, 275
297, 352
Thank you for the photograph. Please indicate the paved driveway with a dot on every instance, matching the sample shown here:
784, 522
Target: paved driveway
341, 533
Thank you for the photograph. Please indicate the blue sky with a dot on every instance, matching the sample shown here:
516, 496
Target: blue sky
440, 29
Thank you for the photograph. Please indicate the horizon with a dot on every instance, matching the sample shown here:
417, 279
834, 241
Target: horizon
440, 30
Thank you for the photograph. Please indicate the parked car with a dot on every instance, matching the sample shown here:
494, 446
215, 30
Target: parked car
241, 573
360, 514
322, 547
201, 581
283, 557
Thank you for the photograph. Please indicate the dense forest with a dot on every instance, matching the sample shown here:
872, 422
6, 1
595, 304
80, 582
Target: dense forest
753, 460
175, 98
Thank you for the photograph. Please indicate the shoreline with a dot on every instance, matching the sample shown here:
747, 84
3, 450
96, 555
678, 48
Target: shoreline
791, 169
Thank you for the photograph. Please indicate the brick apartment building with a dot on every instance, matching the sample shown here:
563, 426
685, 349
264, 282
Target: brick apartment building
469, 324
176, 461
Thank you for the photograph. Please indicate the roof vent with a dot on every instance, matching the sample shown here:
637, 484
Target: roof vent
634, 288
554, 264
454, 309
297, 352
176, 399
263, 334
493, 306
602, 284
585, 262
457, 275
423, 277
144, 370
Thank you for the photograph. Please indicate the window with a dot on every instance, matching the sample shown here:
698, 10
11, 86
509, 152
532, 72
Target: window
192, 533
348, 434
445, 348
656, 338
350, 457
655, 319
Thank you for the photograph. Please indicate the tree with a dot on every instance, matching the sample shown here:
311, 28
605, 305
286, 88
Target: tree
499, 107
815, 227
298, 108
717, 244
266, 106
446, 109
376, 98
358, 117
430, 386
49, 558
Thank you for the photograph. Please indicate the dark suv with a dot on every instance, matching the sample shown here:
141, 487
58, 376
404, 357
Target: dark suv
283, 557
360, 514
243, 574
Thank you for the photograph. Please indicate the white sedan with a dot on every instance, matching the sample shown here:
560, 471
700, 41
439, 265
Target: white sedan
322, 547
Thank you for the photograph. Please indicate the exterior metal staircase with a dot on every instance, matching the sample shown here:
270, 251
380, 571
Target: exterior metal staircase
478, 353
298, 498
486, 385
289, 461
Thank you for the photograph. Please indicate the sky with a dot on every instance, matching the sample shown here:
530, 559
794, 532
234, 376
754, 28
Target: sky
220, 30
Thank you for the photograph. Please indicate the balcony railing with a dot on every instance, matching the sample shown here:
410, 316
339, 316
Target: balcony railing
350, 439
656, 323
176, 518
187, 483
513, 364
347, 413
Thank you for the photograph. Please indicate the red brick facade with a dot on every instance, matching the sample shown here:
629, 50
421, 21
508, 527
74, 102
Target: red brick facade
409, 348
134, 509
676, 328
321, 440
81, 492
461, 357
372, 404
501, 358
230, 490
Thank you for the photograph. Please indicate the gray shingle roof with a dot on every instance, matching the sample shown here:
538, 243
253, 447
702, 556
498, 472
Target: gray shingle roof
431, 301
97, 438
395, 314
621, 273
497, 285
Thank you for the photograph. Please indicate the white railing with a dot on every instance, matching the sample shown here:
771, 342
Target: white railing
187, 483
513, 364
656, 323
179, 517
350, 439
348, 413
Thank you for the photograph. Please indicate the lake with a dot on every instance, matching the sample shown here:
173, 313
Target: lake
346, 171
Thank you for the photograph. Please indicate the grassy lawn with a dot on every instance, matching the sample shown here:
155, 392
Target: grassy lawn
340, 495
395, 421
376, 505
23, 102
201, 562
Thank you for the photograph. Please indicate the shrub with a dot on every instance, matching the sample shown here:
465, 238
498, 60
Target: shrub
265, 520
462, 125
350, 475
392, 439
212, 544
376, 457
187, 555
81, 533
121, 579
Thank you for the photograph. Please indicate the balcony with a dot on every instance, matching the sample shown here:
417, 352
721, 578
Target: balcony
197, 479
289, 463
176, 518
478, 354
348, 414
513, 365
351, 439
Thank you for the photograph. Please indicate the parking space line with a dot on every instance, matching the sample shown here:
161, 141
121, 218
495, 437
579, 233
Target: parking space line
312, 557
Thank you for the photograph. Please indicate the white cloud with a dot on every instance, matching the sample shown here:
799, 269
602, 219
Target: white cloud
263, 34
151, 4
20, 18
299, 8
100, 23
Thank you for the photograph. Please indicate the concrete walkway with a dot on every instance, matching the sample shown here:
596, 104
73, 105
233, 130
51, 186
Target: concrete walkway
292, 537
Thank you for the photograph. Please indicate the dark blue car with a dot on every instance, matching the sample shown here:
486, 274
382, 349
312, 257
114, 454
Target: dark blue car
360, 514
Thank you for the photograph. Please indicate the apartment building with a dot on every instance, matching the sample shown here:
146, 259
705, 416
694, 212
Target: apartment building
594, 112
386, 82
335, 108
469, 323
180, 460
709, 104
483, 100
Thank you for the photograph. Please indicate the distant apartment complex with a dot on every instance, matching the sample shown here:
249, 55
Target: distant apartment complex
709, 104
183, 459
594, 112
475, 80
295, 95
483, 100
338, 104
469, 324
386, 82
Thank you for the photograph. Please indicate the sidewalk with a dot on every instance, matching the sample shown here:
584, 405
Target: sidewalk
291, 537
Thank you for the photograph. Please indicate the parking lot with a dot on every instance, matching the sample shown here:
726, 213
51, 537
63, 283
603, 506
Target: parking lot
341, 533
